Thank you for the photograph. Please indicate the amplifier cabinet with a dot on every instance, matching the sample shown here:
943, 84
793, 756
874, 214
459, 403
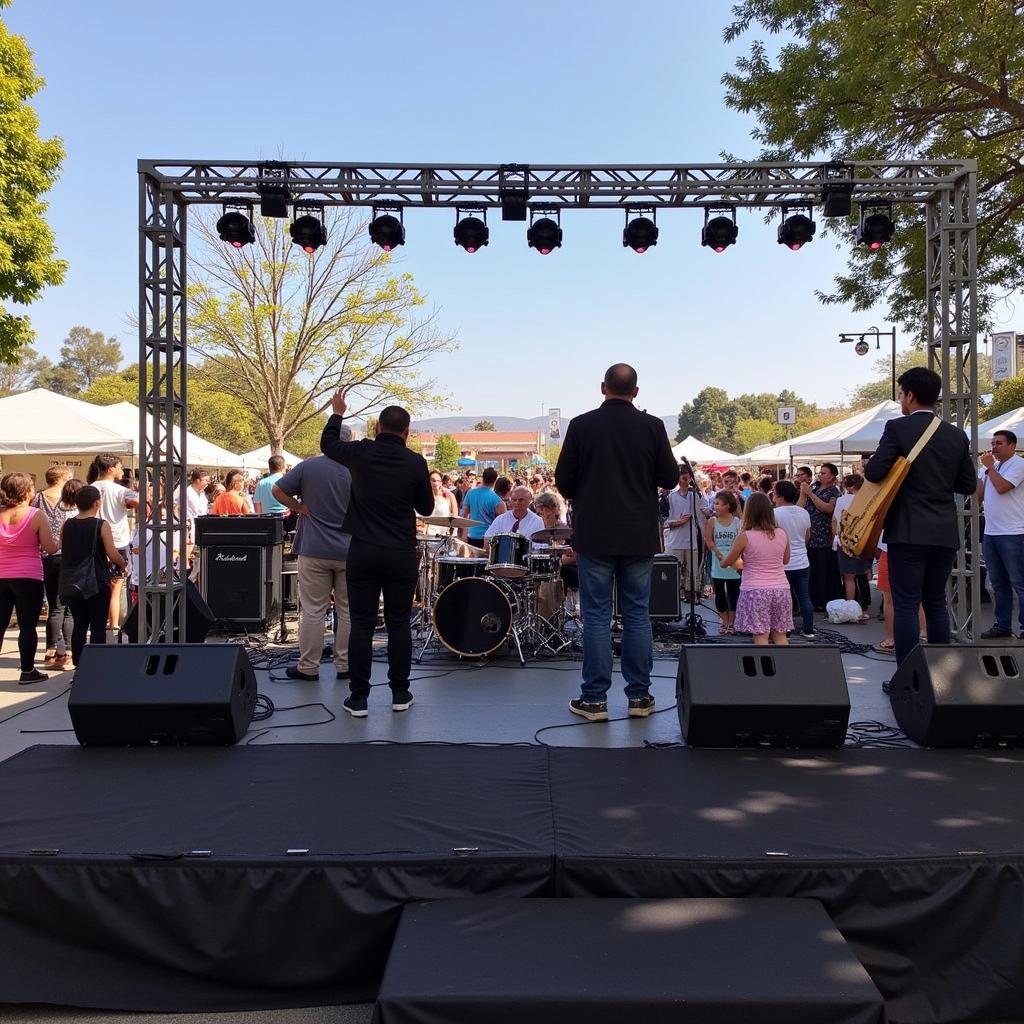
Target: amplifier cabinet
665, 599
241, 583
259, 530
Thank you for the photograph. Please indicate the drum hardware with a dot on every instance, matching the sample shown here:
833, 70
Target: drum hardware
430, 549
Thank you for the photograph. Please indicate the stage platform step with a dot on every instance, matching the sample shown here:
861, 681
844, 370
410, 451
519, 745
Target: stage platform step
672, 961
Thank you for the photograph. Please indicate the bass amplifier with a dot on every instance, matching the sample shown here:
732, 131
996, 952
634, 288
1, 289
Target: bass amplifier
664, 589
240, 561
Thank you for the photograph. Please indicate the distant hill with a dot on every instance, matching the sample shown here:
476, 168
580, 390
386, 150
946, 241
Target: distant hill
454, 424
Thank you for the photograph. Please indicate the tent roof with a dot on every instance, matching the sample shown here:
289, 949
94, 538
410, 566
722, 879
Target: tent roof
857, 434
199, 452
697, 451
40, 422
1008, 421
257, 458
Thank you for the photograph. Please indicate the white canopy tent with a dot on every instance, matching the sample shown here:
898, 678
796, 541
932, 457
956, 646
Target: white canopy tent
1012, 420
701, 453
257, 458
200, 452
858, 434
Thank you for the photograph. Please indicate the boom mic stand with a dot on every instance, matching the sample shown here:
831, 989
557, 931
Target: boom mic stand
693, 624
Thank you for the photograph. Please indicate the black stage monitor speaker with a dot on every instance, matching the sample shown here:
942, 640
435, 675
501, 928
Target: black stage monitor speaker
199, 620
177, 694
739, 695
665, 600
955, 696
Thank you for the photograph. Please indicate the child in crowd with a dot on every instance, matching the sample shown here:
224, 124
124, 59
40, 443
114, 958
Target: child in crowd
855, 571
765, 607
720, 534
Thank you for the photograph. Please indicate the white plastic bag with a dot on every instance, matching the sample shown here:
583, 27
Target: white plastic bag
843, 611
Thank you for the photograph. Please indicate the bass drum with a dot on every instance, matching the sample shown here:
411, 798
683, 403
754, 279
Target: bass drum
474, 616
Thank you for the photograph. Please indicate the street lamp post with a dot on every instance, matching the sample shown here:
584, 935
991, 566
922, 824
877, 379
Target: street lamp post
862, 347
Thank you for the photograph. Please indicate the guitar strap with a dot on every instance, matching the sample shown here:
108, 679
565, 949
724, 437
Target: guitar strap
924, 439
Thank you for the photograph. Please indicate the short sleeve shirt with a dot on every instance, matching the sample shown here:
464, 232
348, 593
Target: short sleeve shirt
264, 496
482, 503
1004, 513
325, 488
821, 522
114, 510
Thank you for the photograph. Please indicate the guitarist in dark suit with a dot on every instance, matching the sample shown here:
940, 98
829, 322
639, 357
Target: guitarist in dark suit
921, 529
612, 463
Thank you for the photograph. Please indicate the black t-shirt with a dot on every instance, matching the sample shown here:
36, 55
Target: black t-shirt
79, 537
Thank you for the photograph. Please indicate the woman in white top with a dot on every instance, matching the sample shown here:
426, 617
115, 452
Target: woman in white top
444, 505
115, 501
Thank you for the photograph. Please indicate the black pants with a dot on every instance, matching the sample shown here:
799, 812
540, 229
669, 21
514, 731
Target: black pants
90, 616
825, 582
918, 574
371, 571
58, 618
727, 594
26, 597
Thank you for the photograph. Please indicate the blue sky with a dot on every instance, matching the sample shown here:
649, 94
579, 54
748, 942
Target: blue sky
525, 82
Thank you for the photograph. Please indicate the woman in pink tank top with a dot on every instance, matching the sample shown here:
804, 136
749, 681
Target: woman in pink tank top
24, 535
765, 608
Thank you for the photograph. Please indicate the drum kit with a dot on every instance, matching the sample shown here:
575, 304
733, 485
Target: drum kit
510, 594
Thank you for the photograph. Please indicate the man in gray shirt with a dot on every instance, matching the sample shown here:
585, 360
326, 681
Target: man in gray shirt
323, 486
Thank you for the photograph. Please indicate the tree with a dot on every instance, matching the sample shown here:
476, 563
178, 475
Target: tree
897, 80
1009, 394
284, 330
446, 453
552, 452
21, 376
111, 388
880, 387
709, 417
484, 425
60, 379
89, 354
28, 170
749, 433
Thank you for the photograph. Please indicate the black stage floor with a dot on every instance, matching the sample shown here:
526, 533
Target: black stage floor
188, 879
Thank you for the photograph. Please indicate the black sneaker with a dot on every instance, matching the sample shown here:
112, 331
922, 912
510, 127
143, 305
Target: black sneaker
996, 633
592, 711
808, 634
355, 706
32, 676
641, 707
401, 700
292, 672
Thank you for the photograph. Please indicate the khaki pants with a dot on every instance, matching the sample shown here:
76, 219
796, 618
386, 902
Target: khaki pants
317, 579
684, 556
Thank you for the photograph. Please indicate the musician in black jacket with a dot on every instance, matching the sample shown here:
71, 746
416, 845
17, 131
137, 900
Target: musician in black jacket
390, 484
613, 461
921, 529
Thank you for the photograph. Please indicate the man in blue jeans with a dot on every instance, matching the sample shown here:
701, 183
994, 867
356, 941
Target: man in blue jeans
613, 460
1000, 488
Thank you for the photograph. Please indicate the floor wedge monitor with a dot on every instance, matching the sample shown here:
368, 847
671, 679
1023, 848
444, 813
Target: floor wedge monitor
739, 695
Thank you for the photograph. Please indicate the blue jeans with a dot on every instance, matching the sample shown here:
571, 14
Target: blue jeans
597, 577
918, 574
1004, 560
800, 586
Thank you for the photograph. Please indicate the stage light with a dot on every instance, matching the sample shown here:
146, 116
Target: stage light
513, 193
273, 189
387, 231
796, 230
472, 233
719, 232
640, 234
836, 189
875, 229
544, 235
235, 227
309, 230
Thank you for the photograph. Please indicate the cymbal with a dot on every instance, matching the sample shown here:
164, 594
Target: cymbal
449, 522
555, 533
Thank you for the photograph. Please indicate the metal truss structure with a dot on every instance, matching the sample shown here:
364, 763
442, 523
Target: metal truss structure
947, 190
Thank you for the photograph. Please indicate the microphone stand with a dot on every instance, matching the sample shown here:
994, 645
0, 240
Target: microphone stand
693, 624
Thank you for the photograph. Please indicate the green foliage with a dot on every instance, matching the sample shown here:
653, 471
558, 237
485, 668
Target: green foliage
284, 330
111, 388
21, 376
446, 453
879, 388
484, 425
708, 417
60, 379
551, 453
28, 169
749, 433
1009, 394
89, 354
896, 80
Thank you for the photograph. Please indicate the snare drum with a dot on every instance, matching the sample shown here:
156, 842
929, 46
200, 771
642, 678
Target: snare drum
451, 568
508, 554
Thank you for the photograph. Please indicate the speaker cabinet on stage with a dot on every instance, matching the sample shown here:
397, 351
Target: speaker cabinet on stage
664, 589
176, 694
956, 696
739, 695
240, 561
199, 620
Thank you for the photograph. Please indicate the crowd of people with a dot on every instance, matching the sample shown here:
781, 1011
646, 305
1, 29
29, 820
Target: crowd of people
765, 549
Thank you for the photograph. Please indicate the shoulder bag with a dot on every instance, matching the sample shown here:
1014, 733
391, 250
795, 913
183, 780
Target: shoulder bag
861, 525
78, 582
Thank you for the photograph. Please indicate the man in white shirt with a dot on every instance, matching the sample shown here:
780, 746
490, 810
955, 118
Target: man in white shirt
198, 505
796, 522
687, 517
1000, 489
519, 519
